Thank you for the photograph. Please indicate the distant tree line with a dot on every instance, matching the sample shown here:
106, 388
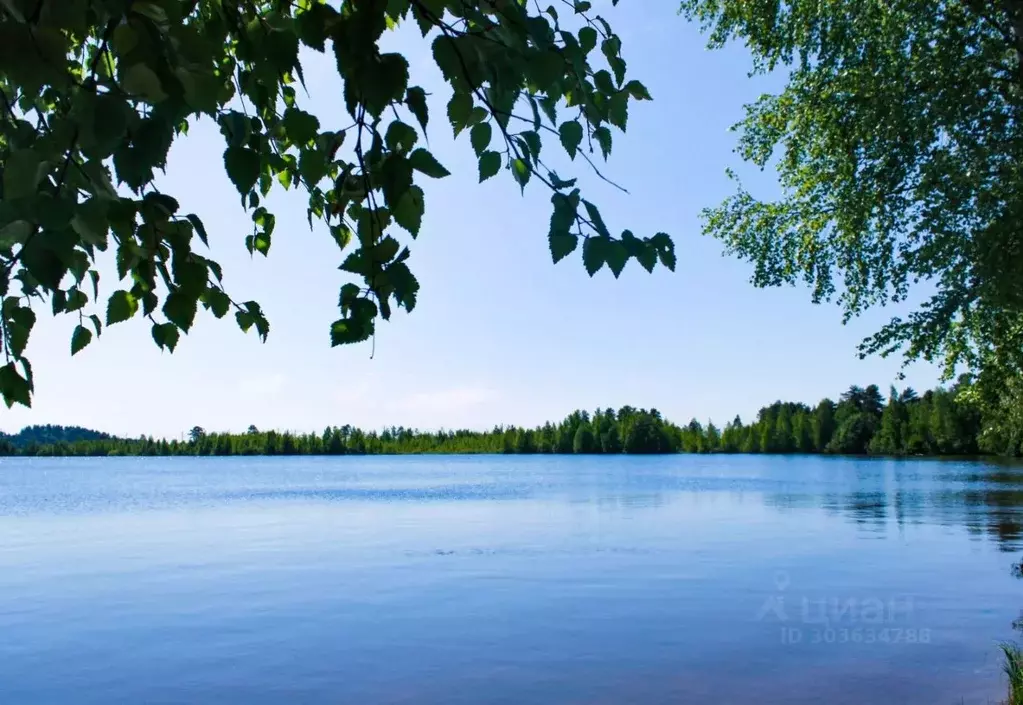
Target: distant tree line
939, 422
49, 435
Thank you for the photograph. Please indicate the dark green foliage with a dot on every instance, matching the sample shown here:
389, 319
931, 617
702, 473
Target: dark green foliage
898, 141
46, 435
648, 431
891, 435
646, 434
822, 424
584, 441
93, 94
853, 435
1013, 666
940, 422
610, 442
712, 439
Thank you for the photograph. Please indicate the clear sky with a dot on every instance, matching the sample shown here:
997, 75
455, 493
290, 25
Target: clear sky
500, 334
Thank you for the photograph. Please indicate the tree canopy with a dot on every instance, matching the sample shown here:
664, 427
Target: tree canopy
899, 144
94, 93
862, 422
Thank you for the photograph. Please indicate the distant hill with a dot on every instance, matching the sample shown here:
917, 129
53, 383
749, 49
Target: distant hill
52, 434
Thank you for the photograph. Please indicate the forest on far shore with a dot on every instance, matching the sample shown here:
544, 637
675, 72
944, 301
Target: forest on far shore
939, 422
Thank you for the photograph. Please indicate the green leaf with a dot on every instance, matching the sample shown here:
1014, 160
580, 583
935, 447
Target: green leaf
14, 233
406, 286
356, 263
617, 64
459, 108
166, 336
23, 170
312, 166
377, 83
150, 141
261, 243
76, 299
264, 219
565, 209
423, 161
397, 9
400, 137
46, 258
618, 110
242, 166
415, 99
140, 81
532, 140
603, 137
180, 309
124, 39
20, 321
98, 178
300, 126
477, 115
152, 10
587, 39
665, 248
110, 123
347, 331
349, 293
562, 245
216, 301
550, 109
236, 127
203, 90
120, 307
645, 251
245, 320
521, 172
559, 183
546, 69
80, 338
385, 250
395, 178
409, 213
91, 223
50, 212
281, 48
598, 222
571, 136
450, 61
490, 164
314, 25
480, 137
611, 47
616, 256
262, 325
647, 257
594, 254
603, 83
200, 229
14, 387
637, 90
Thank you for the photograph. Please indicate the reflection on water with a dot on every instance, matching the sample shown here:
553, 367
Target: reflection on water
986, 498
506, 580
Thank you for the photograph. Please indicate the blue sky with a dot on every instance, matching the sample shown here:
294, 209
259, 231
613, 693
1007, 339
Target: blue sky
500, 334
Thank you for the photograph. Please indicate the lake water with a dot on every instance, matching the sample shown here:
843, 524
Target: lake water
680, 579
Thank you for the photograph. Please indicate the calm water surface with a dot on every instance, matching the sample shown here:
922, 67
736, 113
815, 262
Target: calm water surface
506, 580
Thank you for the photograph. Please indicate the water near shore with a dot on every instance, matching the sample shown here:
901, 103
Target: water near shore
672, 579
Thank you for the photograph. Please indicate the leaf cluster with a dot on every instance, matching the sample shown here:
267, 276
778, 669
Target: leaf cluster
95, 92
